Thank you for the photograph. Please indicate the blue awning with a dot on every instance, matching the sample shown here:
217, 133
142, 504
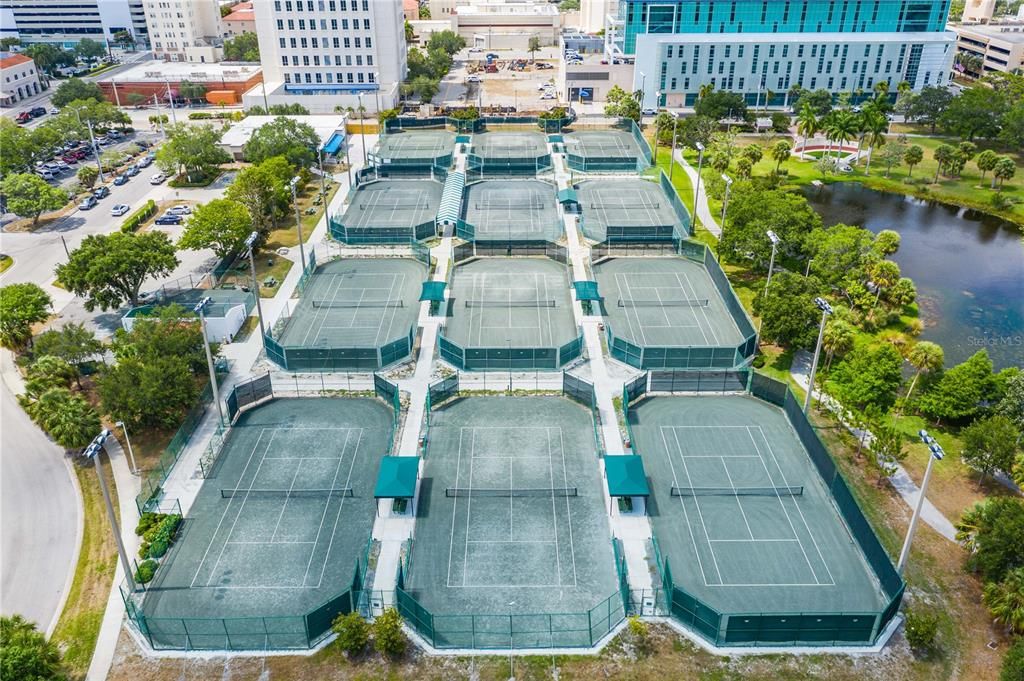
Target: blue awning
567, 195
451, 199
625, 476
334, 144
397, 477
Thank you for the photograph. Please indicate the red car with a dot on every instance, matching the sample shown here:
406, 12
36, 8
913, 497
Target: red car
24, 117
79, 154
69, 158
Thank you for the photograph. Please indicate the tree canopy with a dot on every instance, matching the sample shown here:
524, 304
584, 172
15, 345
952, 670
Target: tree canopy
26, 654
788, 313
76, 88
29, 195
753, 211
286, 137
244, 47
263, 190
957, 393
221, 224
21, 306
621, 104
196, 148
109, 269
720, 104
990, 444
868, 376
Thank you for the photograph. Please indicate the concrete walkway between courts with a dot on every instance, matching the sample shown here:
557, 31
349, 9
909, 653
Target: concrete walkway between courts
707, 220
906, 487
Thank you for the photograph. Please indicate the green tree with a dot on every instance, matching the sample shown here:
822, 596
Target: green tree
1011, 405
921, 628
109, 269
173, 332
1013, 661
388, 637
87, 176
721, 104
48, 372
424, 87
753, 211
990, 445
29, 196
7, 43
621, 104
261, 191
353, 633
66, 418
903, 293
888, 449
868, 376
820, 102
72, 343
74, 89
839, 252
976, 112
893, 154
221, 224
943, 154
886, 242
986, 161
993, 533
15, 141
244, 47
21, 306
46, 56
924, 356
753, 153
196, 148
841, 127
89, 49
1012, 132
912, 156
449, 42
569, 5
533, 46
958, 393
155, 392
788, 314
125, 38
929, 105
26, 654
410, 33
283, 137
781, 153
192, 92
884, 275
743, 168
837, 339
1004, 170
424, 12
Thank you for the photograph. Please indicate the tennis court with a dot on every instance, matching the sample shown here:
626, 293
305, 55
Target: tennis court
512, 210
276, 532
509, 145
512, 523
665, 302
355, 303
626, 208
602, 145
513, 306
390, 206
742, 515
414, 146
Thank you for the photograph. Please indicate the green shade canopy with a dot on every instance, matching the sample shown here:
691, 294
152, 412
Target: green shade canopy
433, 290
566, 195
626, 477
397, 477
555, 139
586, 290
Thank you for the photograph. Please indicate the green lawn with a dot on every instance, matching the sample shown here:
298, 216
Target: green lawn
286, 235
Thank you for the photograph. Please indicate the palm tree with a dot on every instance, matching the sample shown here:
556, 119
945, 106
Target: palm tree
842, 128
923, 356
808, 125
781, 153
943, 154
1005, 600
837, 338
875, 125
881, 89
884, 273
705, 90
66, 418
968, 527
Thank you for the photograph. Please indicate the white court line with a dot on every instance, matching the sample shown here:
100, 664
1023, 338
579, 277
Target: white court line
739, 502
469, 502
554, 506
513, 541
629, 320
686, 514
753, 541
568, 510
455, 512
703, 309
337, 517
269, 543
700, 513
799, 510
394, 311
785, 512
690, 291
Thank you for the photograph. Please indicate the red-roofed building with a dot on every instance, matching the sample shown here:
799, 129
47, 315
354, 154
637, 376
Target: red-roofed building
411, 9
18, 78
241, 20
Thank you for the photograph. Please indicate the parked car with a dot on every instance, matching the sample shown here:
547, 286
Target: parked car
119, 209
180, 210
169, 219
131, 171
114, 134
46, 174
548, 95
120, 180
157, 179
24, 117
649, 111
54, 110
88, 203
37, 111
476, 49
473, 79
69, 158
145, 162
101, 192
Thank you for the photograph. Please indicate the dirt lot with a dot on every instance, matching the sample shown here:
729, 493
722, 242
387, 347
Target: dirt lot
504, 88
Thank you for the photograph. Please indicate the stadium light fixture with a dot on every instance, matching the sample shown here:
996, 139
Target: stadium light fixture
293, 185
826, 310
250, 242
936, 455
774, 238
93, 452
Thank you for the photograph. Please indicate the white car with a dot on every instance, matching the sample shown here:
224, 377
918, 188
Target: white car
179, 210
473, 79
548, 95
157, 179
119, 209
476, 49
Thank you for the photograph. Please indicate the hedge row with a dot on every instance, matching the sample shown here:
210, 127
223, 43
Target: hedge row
158, 531
133, 221
220, 115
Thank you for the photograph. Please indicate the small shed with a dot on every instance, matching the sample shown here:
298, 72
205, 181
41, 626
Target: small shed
397, 481
627, 484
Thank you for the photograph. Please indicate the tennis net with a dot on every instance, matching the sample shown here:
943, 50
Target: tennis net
287, 493
524, 492
510, 303
615, 206
385, 204
693, 302
358, 303
738, 491
508, 205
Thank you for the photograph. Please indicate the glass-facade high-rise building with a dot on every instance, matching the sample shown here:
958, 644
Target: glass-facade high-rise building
758, 46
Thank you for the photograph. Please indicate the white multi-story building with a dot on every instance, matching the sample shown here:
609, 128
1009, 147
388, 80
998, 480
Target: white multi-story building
19, 78
185, 30
65, 22
326, 53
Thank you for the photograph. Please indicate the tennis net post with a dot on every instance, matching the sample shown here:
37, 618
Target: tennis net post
786, 491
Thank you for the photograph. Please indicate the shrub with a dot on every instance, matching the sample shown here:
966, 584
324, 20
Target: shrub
144, 549
353, 632
157, 549
146, 570
921, 629
146, 521
135, 220
1013, 662
388, 637
639, 632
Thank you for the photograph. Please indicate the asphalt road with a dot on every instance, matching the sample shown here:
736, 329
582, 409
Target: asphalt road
38, 512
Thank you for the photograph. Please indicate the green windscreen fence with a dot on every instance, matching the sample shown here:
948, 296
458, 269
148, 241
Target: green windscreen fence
799, 628
482, 359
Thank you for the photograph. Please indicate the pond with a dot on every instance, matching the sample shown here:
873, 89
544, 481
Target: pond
968, 267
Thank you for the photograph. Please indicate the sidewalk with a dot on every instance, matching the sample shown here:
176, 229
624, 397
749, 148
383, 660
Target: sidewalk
906, 487
707, 221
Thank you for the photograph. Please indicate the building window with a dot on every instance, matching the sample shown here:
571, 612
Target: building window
366, 24
347, 43
372, 77
344, 24
369, 60
369, 43
334, 24
287, 78
359, 60
284, 60
359, 76
281, 43
358, 41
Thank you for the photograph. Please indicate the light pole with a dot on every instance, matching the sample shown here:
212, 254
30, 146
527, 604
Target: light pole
643, 84
298, 220
92, 142
266, 105
170, 102
323, 186
725, 201
936, 455
348, 162
826, 310
511, 660
249, 243
199, 309
92, 452
131, 452
696, 186
807, 272
771, 264
362, 126
672, 151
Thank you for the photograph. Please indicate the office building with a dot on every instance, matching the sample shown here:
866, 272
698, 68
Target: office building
753, 47
65, 22
999, 45
185, 30
326, 53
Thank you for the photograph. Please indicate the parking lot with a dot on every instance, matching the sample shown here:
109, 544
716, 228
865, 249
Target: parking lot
468, 82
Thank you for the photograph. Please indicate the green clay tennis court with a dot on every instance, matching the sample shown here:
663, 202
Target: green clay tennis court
278, 529
602, 144
393, 204
626, 207
414, 145
512, 210
510, 303
356, 302
509, 145
751, 526
665, 302
512, 523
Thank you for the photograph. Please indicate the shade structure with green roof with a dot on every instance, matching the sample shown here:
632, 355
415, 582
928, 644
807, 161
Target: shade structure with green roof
626, 476
397, 477
586, 290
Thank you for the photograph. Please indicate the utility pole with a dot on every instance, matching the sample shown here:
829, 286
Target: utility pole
93, 452
249, 244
